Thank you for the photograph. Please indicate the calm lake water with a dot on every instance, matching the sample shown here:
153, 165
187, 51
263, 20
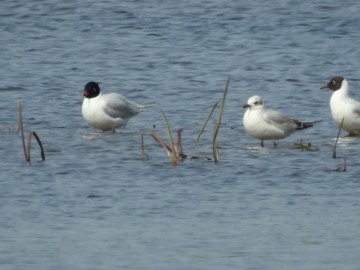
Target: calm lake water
94, 204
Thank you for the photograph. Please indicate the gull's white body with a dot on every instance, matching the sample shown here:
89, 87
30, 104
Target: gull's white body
267, 124
343, 106
109, 111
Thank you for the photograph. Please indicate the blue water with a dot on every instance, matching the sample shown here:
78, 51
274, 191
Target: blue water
94, 204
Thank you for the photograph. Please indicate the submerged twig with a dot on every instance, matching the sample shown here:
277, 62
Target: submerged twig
218, 122
42, 152
337, 138
305, 146
144, 156
179, 147
344, 168
339, 169
179, 144
201, 157
10, 129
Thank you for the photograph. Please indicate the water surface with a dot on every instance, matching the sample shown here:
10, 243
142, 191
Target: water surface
94, 204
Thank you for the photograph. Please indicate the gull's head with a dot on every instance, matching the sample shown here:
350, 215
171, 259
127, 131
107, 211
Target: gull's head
91, 90
336, 83
254, 103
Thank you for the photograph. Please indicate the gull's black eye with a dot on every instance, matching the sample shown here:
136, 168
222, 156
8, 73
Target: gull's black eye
333, 82
257, 103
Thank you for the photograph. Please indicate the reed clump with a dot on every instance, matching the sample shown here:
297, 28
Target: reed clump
175, 150
31, 135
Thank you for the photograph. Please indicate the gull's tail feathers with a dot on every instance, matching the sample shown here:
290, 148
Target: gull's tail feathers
305, 124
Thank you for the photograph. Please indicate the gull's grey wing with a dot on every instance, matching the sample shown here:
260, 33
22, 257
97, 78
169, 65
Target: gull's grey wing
356, 106
118, 106
278, 119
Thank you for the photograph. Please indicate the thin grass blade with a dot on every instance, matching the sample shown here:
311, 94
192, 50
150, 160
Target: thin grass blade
28, 146
337, 138
27, 157
179, 143
202, 128
171, 140
218, 122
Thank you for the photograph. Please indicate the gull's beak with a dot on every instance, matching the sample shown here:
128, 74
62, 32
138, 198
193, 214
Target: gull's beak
246, 106
323, 87
85, 94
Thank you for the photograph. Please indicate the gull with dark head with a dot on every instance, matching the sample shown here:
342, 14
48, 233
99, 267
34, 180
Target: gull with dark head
107, 111
343, 106
267, 124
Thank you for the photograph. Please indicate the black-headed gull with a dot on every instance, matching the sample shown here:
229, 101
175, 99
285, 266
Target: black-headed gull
343, 106
267, 124
107, 111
